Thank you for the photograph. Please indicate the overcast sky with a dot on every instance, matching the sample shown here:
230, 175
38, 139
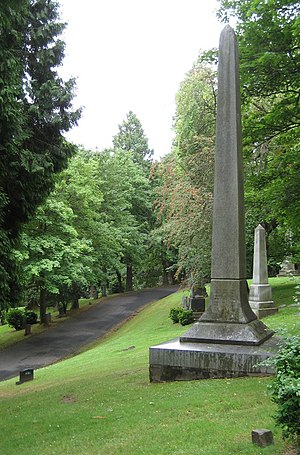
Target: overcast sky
132, 55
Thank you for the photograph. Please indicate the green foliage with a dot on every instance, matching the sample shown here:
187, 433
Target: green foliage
52, 256
131, 138
31, 317
269, 39
175, 313
36, 108
186, 317
184, 201
15, 318
285, 389
178, 314
268, 34
131, 146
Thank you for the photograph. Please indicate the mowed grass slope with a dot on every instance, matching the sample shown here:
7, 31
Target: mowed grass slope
101, 402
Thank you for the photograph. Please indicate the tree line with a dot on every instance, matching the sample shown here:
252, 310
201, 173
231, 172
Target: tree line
71, 218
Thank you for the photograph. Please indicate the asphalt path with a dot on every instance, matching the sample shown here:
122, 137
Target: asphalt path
73, 334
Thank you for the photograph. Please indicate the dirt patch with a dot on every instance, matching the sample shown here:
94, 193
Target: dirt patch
68, 399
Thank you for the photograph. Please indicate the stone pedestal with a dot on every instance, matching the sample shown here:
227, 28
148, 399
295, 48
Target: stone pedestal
181, 361
260, 293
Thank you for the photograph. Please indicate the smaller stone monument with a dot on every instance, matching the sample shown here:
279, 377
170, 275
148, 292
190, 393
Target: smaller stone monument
197, 300
25, 376
287, 268
260, 294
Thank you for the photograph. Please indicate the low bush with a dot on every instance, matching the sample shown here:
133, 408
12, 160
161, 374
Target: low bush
180, 315
186, 317
285, 389
175, 314
31, 317
15, 318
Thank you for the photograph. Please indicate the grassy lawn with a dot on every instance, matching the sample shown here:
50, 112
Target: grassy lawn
101, 402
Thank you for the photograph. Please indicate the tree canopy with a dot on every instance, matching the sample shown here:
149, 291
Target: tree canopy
185, 192
35, 110
269, 43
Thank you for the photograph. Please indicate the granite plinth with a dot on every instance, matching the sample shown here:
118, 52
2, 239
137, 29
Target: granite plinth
180, 361
260, 293
252, 334
265, 311
260, 300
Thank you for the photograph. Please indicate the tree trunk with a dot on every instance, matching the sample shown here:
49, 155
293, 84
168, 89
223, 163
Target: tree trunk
75, 297
120, 284
43, 306
129, 275
165, 276
75, 303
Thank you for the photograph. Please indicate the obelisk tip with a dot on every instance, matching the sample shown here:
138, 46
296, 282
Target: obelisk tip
227, 32
227, 29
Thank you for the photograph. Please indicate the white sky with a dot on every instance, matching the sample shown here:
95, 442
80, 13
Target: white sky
132, 55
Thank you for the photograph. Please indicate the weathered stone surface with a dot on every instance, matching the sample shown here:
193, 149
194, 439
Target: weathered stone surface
175, 361
253, 333
260, 293
262, 438
228, 243
229, 302
260, 264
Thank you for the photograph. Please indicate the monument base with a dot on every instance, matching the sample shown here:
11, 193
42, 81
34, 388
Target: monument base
181, 361
263, 312
197, 315
263, 308
253, 333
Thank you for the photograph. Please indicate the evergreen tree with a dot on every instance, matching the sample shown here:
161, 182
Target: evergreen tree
131, 137
132, 141
35, 111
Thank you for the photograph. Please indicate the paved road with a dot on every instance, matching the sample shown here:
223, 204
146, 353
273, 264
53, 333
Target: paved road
74, 333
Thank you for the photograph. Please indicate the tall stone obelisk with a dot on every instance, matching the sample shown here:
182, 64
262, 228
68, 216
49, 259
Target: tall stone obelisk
228, 340
229, 316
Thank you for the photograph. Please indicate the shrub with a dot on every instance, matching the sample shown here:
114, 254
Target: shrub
175, 313
2, 317
31, 317
15, 318
285, 389
186, 317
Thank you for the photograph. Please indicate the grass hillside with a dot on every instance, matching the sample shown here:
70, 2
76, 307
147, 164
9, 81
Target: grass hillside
101, 402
